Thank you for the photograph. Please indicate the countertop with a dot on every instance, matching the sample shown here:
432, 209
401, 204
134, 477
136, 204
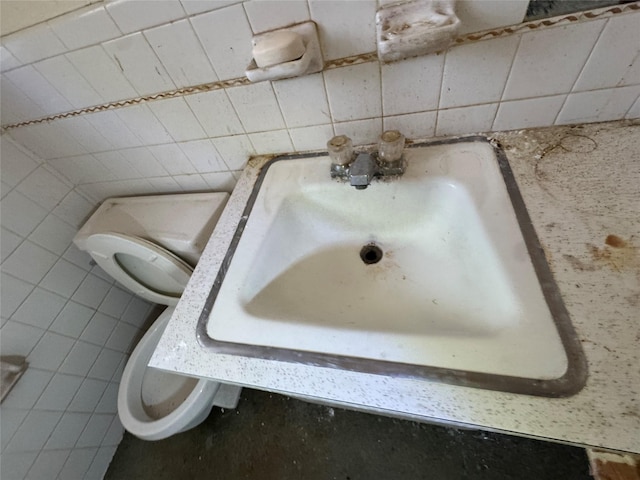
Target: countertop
581, 186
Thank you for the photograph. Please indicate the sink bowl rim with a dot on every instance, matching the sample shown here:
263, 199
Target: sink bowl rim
570, 383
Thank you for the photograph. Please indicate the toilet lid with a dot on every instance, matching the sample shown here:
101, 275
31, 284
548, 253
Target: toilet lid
146, 269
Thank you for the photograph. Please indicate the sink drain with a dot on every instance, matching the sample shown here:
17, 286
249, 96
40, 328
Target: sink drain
371, 254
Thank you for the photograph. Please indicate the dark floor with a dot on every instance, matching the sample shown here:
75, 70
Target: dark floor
275, 437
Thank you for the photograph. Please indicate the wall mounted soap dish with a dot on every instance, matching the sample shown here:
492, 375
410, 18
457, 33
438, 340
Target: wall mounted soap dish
418, 27
310, 61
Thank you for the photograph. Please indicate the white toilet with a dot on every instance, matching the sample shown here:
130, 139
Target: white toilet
150, 245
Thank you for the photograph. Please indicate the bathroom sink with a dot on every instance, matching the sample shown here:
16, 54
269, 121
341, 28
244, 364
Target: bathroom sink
437, 274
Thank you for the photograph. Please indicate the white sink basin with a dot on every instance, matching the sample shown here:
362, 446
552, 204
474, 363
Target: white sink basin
452, 294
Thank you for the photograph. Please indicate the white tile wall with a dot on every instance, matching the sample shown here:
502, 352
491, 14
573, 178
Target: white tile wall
276, 141
257, 107
67, 316
345, 28
7, 60
528, 113
598, 105
549, 61
177, 46
85, 27
102, 73
66, 399
271, 14
490, 63
604, 69
132, 15
34, 44
178, 119
354, 92
35, 86
414, 125
63, 76
138, 62
226, 37
215, 113
413, 85
303, 101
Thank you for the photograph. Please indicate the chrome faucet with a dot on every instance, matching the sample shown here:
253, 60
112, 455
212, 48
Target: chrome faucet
362, 171
389, 159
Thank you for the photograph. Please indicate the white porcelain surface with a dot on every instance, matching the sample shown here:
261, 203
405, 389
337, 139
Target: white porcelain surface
153, 404
180, 224
113, 129
566, 420
297, 281
410, 29
354, 92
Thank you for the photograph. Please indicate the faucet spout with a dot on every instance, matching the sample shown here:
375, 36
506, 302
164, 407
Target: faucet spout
362, 171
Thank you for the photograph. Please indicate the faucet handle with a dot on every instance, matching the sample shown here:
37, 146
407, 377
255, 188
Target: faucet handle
390, 146
340, 150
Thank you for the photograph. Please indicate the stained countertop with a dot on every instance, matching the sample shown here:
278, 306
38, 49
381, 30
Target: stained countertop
581, 188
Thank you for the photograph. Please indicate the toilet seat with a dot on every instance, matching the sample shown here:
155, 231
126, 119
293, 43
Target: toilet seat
143, 267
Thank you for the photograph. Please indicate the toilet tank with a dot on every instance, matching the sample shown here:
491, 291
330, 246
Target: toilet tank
181, 223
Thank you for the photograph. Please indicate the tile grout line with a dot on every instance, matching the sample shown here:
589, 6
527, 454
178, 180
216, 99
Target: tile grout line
361, 58
584, 65
506, 81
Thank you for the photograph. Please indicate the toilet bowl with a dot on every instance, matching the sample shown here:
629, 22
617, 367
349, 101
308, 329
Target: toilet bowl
150, 245
147, 397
